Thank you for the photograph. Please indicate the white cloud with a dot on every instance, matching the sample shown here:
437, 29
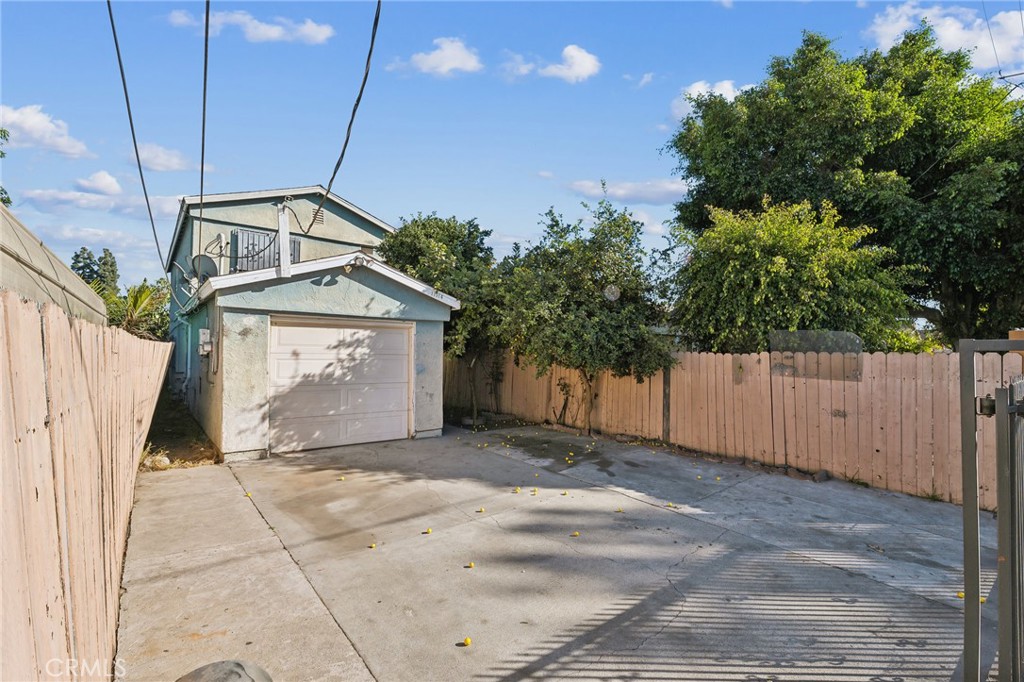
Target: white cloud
652, 226
29, 126
546, 174
256, 31
955, 28
725, 3
645, 80
681, 106
450, 56
577, 65
100, 182
655, 192
516, 66
157, 158
50, 200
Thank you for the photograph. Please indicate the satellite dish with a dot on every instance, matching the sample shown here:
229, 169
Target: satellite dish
204, 266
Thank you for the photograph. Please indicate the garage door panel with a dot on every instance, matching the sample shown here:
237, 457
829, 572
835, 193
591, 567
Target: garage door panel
337, 385
338, 400
298, 371
309, 433
334, 339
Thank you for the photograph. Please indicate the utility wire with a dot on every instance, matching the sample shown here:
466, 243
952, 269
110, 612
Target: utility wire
202, 143
351, 120
131, 124
992, 38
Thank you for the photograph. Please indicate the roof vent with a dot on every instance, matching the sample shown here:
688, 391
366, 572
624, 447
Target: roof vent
318, 217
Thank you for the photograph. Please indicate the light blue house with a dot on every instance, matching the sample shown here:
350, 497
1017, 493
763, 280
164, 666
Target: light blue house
313, 345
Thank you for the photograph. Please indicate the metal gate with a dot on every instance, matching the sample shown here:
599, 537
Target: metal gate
1007, 407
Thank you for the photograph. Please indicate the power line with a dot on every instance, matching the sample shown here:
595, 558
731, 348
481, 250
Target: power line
351, 120
991, 37
202, 142
131, 124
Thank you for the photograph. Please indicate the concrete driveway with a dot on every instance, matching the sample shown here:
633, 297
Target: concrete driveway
353, 563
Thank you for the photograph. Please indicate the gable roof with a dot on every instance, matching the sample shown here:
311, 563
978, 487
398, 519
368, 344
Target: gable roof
356, 258
189, 201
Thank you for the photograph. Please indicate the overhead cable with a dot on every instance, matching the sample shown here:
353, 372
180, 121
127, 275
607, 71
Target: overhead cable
352, 118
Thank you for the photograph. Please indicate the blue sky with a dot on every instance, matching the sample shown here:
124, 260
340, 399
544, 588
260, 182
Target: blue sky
490, 110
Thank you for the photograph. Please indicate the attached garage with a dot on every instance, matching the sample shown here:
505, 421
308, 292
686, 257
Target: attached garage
341, 351
338, 383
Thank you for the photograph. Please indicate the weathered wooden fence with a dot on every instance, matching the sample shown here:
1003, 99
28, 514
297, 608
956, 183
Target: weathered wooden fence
889, 420
77, 403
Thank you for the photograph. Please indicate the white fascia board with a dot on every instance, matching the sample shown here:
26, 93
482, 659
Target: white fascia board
193, 200
239, 279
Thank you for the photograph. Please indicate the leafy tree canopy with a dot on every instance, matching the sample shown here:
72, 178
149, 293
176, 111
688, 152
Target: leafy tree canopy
908, 142
787, 267
584, 300
83, 264
106, 266
142, 310
451, 255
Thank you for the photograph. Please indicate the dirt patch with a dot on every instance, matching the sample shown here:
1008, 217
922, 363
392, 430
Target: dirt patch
176, 436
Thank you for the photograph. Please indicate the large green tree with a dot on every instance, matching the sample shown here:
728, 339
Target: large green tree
908, 142
106, 266
787, 267
452, 255
83, 264
584, 299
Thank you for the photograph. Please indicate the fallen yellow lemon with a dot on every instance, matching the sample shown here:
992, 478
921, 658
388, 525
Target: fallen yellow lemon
467, 641
960, 595
481, 510
698, 478
718, 478
373, 545
248, 494
575, 533
429, 531
981, 599
619, 510
536, 475
472, 565
565, 492
341, 478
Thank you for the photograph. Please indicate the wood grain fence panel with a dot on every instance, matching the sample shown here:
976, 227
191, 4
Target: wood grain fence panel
778, 394
891, 398
837, 417
943, 391
990, 376
908, 422
953, 420
727, 409
851, 425
925, 433
800, 456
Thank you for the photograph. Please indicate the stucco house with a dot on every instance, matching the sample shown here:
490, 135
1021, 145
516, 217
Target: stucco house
313, 345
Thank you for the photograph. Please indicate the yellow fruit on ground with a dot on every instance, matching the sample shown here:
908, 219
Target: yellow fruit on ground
467, 641
575, 533
472, 565
373, 545
429, 531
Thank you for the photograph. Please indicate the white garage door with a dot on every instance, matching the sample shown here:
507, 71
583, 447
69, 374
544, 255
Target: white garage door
337, 385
